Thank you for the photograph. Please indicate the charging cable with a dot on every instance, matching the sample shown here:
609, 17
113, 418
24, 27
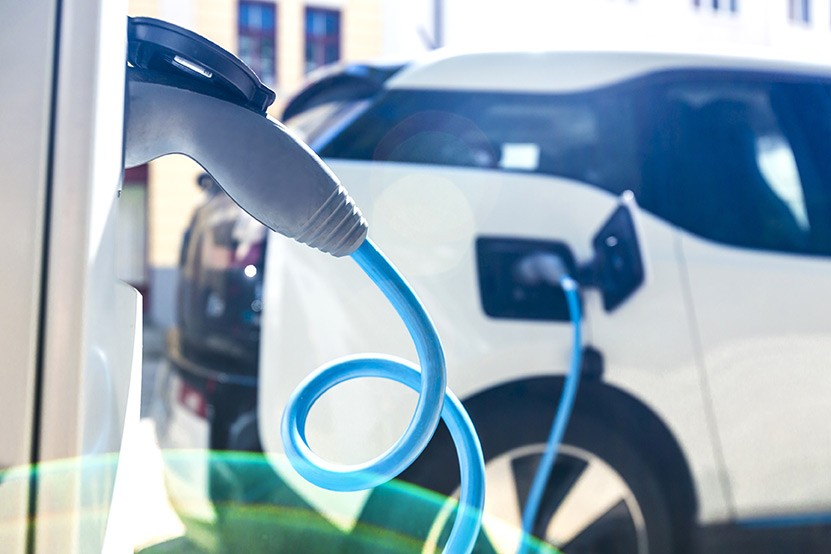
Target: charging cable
181, 90
434, 401
533, 270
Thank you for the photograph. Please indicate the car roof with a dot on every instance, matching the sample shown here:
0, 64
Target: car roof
573, 70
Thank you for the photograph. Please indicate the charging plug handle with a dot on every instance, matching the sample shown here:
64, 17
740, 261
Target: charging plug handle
272, 175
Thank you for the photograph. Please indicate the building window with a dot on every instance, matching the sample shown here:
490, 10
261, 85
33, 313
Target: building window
257, 26
799, 10
322, 37
718, 5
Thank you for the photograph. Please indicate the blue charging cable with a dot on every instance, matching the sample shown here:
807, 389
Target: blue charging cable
558, 428
434, 401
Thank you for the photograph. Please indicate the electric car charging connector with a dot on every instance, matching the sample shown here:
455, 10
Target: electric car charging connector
550, 269
617, 270
430, 384
187, 95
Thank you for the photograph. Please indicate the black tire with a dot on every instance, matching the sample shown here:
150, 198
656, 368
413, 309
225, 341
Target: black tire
519, 429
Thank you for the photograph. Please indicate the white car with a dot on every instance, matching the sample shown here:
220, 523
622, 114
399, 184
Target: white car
706, 395
703, 420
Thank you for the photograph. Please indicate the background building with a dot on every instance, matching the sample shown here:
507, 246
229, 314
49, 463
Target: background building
284, 39
542, 23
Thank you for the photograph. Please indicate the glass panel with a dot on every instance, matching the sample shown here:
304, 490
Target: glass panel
255, 16
246, 49
309, 21
325, 119
778, 166
322, 37
243, 14
332, 53
310, 56
332, 23
257, 40
734, 159
268, 18
317, 26
799, 10
589, 137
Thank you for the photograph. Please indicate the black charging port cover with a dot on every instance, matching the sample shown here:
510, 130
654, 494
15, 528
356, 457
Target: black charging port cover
618, 261
505, 296
163, 47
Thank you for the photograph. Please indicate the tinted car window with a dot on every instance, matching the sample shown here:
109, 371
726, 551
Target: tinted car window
740, 160
589, 137
318, 123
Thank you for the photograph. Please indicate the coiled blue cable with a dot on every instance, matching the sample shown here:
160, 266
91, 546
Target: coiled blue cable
558, 428
434, 401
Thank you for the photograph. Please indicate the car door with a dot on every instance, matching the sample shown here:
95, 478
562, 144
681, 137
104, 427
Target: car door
749, 186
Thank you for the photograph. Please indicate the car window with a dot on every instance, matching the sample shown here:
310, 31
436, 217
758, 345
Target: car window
588, 137
319, 122
777, 164
729, 160
725, 156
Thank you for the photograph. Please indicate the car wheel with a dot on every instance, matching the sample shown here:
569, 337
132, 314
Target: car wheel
603, 496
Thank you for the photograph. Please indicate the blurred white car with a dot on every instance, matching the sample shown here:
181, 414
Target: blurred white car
705, 401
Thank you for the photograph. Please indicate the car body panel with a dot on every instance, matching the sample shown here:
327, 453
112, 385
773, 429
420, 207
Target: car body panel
762, 321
